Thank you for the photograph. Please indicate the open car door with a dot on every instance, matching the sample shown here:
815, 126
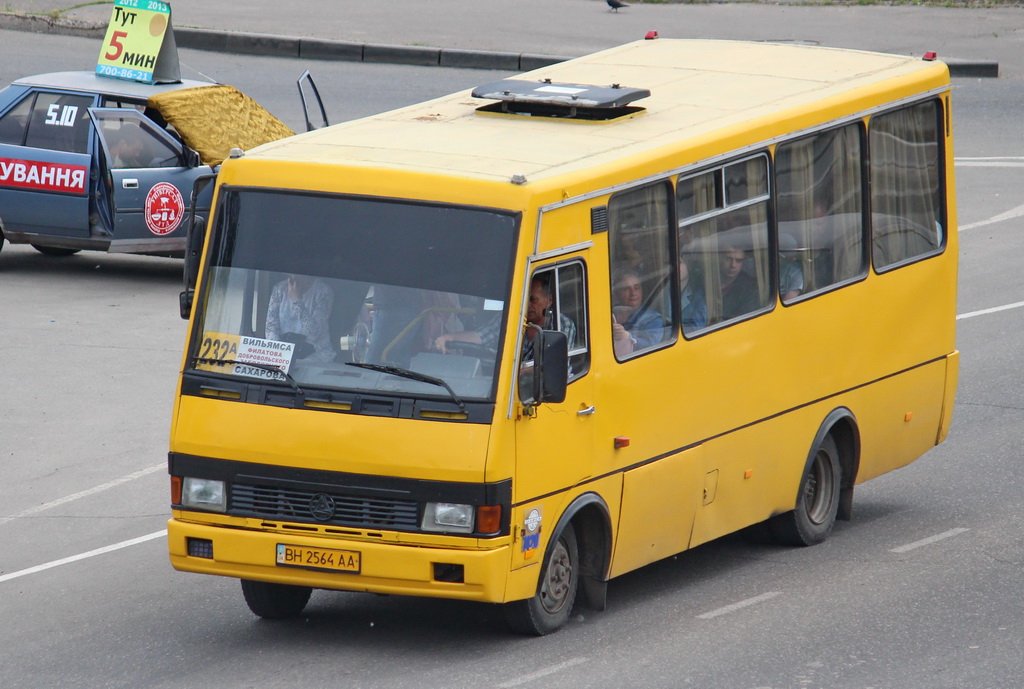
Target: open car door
149, 177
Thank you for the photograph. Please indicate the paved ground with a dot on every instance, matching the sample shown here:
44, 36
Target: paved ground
576, 27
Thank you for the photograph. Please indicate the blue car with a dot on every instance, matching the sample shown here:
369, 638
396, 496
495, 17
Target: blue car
88, 162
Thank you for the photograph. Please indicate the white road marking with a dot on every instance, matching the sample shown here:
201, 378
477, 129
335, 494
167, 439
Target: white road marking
85, 493
1008, 215
542, 673
983, 161
738, 606
82, 556
992, 161
994, 309
928, 541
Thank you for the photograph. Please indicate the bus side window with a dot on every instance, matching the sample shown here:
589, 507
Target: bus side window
906, 184
724, 263
639, 222
819, 181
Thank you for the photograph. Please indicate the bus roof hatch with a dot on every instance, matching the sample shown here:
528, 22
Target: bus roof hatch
569, 101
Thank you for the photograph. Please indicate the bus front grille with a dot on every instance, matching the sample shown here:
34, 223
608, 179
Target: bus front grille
271, 502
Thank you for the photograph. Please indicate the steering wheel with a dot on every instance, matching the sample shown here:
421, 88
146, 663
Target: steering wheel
483, 352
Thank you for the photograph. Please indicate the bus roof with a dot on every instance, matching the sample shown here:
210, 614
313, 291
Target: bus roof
699, 89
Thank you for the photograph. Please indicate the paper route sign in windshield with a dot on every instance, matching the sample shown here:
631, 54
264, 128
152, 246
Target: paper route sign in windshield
241, 350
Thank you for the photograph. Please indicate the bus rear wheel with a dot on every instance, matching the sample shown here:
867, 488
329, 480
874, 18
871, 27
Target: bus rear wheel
275, 601
817, 502
549, 609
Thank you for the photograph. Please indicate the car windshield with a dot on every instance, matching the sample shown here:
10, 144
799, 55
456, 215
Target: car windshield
346, 293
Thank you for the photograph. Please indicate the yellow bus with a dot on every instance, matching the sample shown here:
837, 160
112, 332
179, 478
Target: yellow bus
506, 345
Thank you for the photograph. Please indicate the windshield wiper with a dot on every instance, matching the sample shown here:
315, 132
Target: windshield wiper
263, 367
411, 375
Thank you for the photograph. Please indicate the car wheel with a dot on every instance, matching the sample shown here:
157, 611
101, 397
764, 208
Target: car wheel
55, 250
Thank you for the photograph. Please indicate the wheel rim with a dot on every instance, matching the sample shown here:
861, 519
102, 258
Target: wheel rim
819, 489
558, 582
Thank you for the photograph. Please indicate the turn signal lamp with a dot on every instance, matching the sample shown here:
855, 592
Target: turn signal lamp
488, 518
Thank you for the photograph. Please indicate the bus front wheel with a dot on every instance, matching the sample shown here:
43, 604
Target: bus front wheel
817, 502
275, 601
549, 609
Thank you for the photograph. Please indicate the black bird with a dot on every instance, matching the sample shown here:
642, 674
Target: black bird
616, 4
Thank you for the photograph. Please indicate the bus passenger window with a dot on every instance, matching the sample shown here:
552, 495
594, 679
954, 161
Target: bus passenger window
906, 184
641, 279
819, 182
724, 267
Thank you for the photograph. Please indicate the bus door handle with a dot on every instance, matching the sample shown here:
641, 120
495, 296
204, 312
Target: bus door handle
129, 183
586, 412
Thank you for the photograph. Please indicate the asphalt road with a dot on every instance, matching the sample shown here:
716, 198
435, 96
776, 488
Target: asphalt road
921, 590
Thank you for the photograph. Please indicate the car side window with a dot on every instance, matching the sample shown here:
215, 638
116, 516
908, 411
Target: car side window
132, 145
14, 123
60, 122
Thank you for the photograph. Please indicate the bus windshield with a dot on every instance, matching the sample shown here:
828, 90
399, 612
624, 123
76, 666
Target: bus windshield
351, 293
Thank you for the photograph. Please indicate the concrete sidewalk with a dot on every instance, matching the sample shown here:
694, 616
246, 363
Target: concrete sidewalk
502, 34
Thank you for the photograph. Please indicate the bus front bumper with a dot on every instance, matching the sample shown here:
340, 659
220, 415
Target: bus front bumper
479, 575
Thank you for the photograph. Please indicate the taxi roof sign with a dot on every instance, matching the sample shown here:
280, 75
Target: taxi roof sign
139, 44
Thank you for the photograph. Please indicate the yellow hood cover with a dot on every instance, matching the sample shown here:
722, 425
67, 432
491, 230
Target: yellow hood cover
214, 119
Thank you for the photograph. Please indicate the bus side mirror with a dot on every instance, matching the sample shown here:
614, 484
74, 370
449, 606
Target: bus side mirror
547, 378
185, 303
194, 249
193, 244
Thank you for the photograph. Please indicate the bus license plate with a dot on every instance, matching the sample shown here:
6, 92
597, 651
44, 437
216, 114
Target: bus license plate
319, 558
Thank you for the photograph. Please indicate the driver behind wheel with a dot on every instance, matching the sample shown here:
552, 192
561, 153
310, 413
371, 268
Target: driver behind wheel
538, 313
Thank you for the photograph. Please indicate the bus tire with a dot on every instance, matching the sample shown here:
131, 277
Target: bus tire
54, 250
549, 609
817, 501
275, 601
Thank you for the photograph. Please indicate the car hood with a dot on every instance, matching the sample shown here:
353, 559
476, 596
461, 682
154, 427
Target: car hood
214, 119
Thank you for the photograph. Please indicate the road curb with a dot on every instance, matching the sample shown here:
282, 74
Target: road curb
325, 49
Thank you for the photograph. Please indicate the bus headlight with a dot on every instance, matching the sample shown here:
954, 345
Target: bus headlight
446, 516
203, 493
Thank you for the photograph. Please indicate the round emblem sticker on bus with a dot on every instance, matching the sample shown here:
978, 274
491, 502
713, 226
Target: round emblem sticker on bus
164, 208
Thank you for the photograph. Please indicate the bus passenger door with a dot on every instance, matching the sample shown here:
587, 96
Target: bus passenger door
554, 441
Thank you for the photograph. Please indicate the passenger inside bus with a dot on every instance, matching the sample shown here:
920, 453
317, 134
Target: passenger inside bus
635, 326
739, 289
298, 312
791, 275
691, 299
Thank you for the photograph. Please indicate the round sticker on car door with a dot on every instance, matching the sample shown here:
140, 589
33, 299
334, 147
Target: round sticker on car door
164, 208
